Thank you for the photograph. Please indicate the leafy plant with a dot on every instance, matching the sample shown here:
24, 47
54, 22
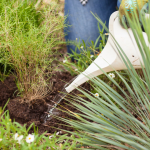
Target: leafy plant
88, 53
115, 120
15, 136
30, 37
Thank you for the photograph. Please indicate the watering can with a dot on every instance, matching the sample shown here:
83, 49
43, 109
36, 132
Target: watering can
110, 59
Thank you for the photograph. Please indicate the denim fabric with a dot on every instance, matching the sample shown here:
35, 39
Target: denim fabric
83, 24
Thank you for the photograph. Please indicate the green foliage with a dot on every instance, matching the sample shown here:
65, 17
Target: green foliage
88, 53
20, 12
115, 120
11, 131
29, 41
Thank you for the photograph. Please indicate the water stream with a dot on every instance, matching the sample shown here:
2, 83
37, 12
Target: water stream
58, 98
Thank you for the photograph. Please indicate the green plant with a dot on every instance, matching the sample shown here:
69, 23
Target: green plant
88, 53
5, 69
115, 120
15, 136
30, 37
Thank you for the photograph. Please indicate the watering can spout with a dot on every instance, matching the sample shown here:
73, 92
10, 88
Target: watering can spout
110, 59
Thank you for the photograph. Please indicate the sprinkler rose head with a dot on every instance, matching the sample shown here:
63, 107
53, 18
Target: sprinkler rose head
109, 59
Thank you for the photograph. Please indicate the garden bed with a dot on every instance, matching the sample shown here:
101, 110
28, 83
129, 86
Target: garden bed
24, 114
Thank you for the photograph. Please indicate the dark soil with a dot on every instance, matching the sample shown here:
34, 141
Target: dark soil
22, 113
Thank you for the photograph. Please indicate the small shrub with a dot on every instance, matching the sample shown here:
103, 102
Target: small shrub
30, 37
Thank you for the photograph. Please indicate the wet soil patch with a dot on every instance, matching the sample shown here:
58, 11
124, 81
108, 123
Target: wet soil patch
23, 114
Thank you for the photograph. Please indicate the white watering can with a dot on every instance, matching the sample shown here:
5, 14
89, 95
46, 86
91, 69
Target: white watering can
109, 58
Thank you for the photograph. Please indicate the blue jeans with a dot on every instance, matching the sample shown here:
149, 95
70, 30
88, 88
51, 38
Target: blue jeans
83, 24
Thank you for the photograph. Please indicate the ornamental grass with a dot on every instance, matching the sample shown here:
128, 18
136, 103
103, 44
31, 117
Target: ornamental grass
29, 38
